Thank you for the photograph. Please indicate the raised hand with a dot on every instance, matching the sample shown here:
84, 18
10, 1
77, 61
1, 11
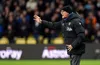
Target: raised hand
37, 19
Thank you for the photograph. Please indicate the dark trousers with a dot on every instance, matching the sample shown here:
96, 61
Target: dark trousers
75, 59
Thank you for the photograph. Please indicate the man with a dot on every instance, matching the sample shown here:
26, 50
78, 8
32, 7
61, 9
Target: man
73, 33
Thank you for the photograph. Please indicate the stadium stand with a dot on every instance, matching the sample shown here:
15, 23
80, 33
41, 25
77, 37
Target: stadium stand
16, 20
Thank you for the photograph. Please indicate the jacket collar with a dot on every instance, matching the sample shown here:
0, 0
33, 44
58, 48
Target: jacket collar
71, 17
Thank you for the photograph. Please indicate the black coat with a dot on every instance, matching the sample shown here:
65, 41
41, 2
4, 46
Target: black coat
73, 32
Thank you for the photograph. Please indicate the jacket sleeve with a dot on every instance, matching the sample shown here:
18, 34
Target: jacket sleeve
80, 31
52, 25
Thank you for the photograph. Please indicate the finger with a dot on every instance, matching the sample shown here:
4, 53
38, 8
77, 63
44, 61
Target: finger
67, 45
35, 16
69, 49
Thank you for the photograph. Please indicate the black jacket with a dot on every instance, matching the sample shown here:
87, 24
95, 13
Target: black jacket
73, 32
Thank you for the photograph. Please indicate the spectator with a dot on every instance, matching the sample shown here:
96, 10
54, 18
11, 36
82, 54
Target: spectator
47, 14
98, 17
23, 27
88, 6
31, 4
10, 29
91, 25
80, 8
46, 34
1, 8
1, 26
82, 18
22, 4
41, 5
98, 36
98, 4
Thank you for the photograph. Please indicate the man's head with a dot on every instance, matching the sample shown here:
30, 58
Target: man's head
66, 11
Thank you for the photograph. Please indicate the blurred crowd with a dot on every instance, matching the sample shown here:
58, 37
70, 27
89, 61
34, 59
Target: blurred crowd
16, 18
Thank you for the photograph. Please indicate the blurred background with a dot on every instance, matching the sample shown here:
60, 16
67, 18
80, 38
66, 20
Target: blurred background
20, 33
17, 23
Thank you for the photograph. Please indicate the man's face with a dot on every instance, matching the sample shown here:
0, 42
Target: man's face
64, 14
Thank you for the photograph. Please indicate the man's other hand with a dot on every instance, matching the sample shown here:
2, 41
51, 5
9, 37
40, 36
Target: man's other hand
69, 47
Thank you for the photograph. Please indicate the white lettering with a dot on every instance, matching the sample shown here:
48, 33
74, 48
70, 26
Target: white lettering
55, 53
19, 54
9, 53
3, 54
